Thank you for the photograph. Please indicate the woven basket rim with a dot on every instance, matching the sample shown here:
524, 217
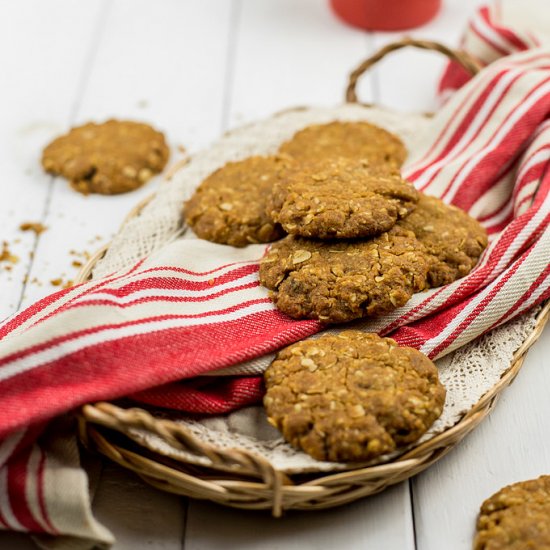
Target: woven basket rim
99, 421
239, 478
261, 485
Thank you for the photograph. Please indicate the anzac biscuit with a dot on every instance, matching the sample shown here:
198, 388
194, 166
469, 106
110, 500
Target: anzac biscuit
453, 239
336, 281
229, 205
352, 396
109, 158
357, 140
341, 198
517, 517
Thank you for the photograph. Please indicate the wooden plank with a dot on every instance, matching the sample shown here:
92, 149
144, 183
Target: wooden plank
359, 525
291, 53
286, 54
16, 541
138, 515
146, 67
511, 445
41, 73
407, 80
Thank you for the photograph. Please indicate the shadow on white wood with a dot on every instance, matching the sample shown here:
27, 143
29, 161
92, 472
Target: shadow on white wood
361, 525
139, 516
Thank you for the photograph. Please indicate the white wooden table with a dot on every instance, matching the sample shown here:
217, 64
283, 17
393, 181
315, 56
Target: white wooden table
195, 68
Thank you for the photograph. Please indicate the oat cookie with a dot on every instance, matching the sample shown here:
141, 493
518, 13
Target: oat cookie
358, 140
516, 518
453, 239
338, 281
229, 205
352, 396
109, 158
341, 198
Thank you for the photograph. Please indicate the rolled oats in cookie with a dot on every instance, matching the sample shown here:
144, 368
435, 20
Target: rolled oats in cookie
453, 239
516, 517
109, 158
358, 140
229, 206
353, 396
338, 281
340, 198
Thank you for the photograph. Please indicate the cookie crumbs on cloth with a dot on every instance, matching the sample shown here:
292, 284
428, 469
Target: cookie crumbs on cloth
352, 396
338, 281
229, 206
341, 198
356, 140
109, 158
516, 517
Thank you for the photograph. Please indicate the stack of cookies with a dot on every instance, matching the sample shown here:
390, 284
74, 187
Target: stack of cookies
360, 240
354, 239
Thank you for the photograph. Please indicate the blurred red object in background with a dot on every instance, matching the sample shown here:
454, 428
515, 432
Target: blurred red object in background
385, 15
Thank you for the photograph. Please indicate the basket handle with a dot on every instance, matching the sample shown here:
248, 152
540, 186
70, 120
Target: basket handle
461, 57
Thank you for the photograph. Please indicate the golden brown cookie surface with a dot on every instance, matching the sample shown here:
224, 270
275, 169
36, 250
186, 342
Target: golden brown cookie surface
338, 281
229, 206
352, 396
516, 517
340, 198
109, 158
357, 140
453, 239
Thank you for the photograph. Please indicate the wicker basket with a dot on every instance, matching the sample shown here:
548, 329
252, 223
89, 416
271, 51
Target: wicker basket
240, 479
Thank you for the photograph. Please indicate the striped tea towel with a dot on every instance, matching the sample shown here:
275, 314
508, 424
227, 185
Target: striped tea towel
194, 307
501, 28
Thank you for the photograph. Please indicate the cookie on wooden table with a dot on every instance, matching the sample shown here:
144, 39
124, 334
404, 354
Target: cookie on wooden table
341, 198
352, 396
358, 140
338, 281
453, 239
229, 206
516, 518
109, 158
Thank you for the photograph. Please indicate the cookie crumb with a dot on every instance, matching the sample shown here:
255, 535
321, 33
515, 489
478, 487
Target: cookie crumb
6, 255
36, 227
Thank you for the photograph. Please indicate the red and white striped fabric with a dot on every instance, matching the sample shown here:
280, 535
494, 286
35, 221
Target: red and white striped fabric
494, 31
193, 308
